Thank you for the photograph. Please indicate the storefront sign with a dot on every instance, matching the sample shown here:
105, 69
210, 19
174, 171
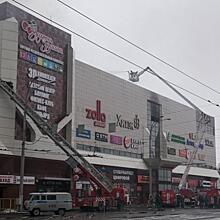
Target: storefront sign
80, 184
131, 142
123, 172
135, 124
29, 180
96, 115
182, 140
83, 134
192, 143
176, 180
122, 175
46, 43
11, 179
115, 139
32, 58
183, 153
175, 138
192, 136
101, 137
189, 154
209, 143
142, 179
7, 179
42, 93
171, 151
123, 178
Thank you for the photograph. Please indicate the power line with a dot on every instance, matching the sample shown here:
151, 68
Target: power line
198, 96
138, 47
90, 41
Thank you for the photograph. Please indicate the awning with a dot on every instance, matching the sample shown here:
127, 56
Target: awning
197, 171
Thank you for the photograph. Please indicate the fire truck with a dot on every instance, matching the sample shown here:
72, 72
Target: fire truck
169, 197
87, 194
97, 190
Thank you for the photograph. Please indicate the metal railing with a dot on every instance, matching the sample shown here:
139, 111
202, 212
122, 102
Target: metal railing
8, 203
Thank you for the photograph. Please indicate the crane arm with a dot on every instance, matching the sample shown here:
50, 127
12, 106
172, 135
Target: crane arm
203, 119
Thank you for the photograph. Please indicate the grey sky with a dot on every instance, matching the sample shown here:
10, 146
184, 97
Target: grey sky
184, 33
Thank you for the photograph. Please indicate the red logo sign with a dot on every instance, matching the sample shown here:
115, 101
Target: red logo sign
96, 115
183, 153
127, 142
131, 142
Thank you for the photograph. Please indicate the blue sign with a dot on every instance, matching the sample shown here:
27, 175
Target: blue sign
83, 134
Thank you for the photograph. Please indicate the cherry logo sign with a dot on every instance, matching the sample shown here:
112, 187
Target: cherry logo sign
47, 44
97, 116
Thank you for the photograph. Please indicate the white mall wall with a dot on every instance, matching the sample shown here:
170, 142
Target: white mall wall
122, 97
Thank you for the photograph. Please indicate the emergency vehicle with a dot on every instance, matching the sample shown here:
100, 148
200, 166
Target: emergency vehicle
100, 192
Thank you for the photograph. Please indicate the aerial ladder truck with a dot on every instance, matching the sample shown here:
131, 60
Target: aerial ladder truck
105, 193
203, 120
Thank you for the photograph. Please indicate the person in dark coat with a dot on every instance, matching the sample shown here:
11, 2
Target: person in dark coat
158, 202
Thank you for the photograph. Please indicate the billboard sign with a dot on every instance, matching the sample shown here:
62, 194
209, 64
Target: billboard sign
83, 134
101, 137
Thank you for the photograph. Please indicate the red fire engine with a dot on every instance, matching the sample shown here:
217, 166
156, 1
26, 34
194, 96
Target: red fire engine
99, 191
87, 194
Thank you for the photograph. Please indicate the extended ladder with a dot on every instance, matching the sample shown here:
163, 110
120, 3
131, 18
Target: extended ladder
60, 141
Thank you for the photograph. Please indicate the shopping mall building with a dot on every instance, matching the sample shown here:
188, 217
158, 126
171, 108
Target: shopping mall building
121, 128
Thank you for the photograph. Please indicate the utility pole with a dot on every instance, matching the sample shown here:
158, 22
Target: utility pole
22, 162
21, 188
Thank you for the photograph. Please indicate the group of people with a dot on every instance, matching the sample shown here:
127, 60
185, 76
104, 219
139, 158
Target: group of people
201, 200
155, 201
207, 202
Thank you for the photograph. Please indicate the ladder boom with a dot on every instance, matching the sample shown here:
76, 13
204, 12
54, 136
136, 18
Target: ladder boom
134, 77
60, 141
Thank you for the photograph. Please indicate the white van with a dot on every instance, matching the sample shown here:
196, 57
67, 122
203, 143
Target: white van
57, 202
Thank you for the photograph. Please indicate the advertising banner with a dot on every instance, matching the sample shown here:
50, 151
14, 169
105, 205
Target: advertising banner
11, 179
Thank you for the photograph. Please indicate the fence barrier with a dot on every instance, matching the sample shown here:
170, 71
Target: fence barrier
8, 203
